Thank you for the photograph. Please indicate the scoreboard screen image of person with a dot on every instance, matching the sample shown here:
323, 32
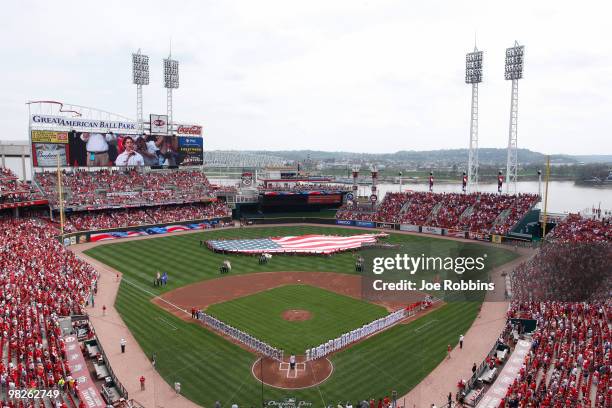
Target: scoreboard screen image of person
93, 149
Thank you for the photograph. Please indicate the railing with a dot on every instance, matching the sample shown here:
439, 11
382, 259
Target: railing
122, 391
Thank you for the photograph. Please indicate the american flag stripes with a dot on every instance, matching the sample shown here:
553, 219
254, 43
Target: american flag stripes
305, 244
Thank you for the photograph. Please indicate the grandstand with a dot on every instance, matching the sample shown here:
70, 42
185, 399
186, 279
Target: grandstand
473, 213
15, 192
561, 309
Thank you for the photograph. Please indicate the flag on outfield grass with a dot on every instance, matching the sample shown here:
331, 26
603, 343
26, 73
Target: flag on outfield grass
313, 244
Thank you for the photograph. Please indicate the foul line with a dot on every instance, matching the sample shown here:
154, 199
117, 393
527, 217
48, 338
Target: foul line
155, 296
425, 325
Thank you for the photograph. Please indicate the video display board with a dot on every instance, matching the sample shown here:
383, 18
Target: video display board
92, 149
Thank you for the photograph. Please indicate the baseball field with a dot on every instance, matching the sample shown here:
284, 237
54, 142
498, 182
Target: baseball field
211, 368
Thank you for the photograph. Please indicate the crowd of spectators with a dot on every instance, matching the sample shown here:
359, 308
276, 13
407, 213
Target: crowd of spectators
478, 212
576, 228
13, 190
40, 281
131, 217
570, 358
565, 287
112, 187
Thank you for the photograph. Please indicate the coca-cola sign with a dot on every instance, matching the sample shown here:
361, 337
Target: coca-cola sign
191, 130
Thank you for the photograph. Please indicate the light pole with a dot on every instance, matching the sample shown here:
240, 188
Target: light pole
473, 75
514, 72
140, 77
171, 81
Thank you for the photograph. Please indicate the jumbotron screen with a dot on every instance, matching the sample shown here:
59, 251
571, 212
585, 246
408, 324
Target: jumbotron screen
91, 149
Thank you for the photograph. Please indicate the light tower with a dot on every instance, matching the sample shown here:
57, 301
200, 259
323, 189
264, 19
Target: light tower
140, 77
473, 75
514, 72
171, 81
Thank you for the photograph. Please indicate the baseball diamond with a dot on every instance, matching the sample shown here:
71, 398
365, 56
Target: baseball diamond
223, 369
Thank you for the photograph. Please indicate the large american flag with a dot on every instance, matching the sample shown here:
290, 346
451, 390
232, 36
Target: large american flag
312, 244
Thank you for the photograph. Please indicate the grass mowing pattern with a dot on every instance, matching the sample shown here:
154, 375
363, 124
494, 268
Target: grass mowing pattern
261, 316
210, 368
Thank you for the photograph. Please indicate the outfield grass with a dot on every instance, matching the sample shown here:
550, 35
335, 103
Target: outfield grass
261, 316
211, 368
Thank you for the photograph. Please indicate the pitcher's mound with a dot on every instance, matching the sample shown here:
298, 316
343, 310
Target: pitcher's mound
297, 315
305, 374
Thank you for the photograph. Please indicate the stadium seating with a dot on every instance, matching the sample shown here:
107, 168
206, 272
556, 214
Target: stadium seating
570, 361
130, 217
40, 281
12, 190
479, 212
107, 188
576, 228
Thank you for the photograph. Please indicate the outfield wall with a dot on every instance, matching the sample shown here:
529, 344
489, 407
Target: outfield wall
477, 236
82, 237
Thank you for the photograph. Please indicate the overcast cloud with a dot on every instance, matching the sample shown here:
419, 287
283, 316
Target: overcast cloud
374, 76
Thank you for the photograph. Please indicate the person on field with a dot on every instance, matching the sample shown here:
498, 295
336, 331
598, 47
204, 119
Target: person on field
142, 383
461, 341
292, 362
448, 351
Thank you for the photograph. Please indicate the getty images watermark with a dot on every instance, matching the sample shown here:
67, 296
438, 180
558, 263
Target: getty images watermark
434, 267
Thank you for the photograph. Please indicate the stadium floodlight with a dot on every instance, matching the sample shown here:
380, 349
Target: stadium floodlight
140, 77
171, 73
514, 61
514, 71
473, 67
140, 69
473, 75
171, 81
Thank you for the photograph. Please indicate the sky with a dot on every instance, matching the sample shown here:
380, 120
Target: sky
360, 76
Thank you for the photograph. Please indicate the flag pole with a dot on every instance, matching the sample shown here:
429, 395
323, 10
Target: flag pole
544, 220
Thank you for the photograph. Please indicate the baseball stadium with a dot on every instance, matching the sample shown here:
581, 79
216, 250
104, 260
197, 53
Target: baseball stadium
140, 269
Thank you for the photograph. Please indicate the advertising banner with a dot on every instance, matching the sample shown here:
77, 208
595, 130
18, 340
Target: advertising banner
191, 150
325, 199
386, 225
345, 222
409, 227
189, 130
479, 236
497, 239
457, 234
49, 136
431, 230
19, 204
365, 224
46, 154
159, 124
85, 125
